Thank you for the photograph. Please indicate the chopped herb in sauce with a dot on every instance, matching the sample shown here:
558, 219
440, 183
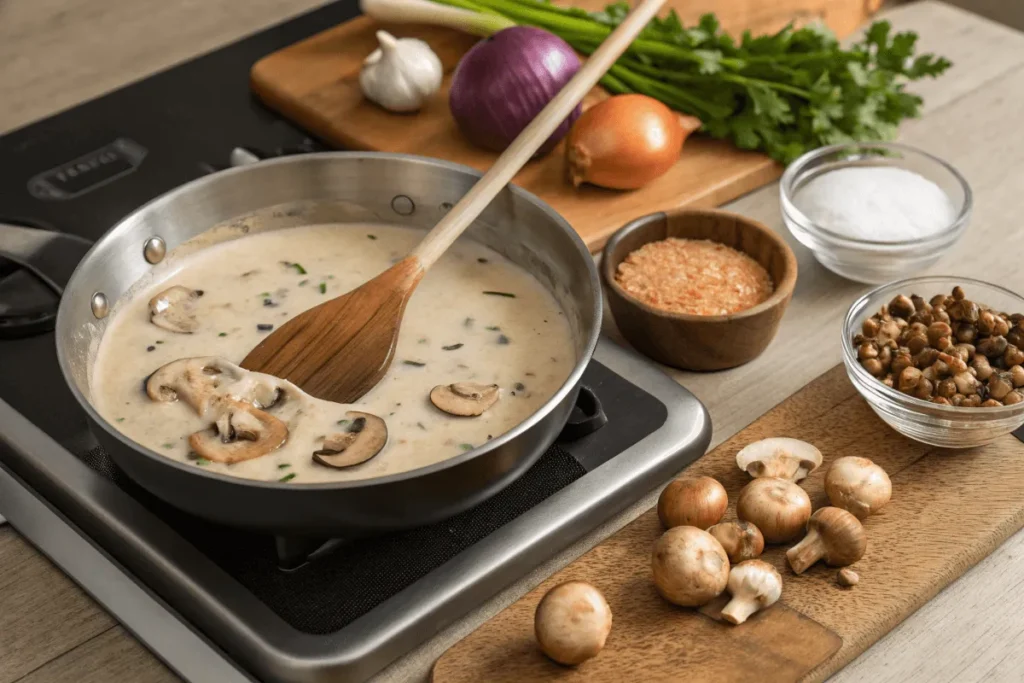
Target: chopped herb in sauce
269, 302
330, 277
323, 287
159, 341
508, 295
420, 425
297, 266
462, 366
481, 260
421, 340
466, 446
223, 334
264, 295
452, 347
168, 445
120, 419
414, 363
283, 466
343, 423
151, 348
202, 461
303, 283
287, 477
493, 328
372, 237
468, 322
502, 339
530, 374
264, 327
250, 272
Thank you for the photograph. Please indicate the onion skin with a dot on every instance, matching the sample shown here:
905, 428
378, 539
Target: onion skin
504, 81
625, 142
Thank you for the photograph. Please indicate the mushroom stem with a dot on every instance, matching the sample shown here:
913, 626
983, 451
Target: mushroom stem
834, 535
739, 610
754, 585
806, 552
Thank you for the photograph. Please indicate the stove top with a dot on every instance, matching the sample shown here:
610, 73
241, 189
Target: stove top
223, 604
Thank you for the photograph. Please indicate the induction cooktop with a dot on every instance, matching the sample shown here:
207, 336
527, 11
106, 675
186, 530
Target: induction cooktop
221, 604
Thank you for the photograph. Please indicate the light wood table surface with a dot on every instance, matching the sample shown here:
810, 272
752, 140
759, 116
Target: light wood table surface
54, 54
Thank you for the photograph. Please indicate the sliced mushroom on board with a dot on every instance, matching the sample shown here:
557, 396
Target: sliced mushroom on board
779, 457
240, 432
365, 437
174, 309
465, 399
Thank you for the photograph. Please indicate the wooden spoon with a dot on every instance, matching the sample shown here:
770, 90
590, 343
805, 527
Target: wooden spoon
340, 349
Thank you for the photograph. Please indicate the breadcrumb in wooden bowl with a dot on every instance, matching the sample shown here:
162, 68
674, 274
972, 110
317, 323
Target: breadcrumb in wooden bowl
698, 289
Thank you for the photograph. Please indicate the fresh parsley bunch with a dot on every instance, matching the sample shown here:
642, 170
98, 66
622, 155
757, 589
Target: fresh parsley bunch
784, 93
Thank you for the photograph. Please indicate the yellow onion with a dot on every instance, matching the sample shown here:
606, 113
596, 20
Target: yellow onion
626, 142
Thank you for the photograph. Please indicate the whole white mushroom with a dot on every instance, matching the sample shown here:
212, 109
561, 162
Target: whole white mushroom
572, 622
690, 566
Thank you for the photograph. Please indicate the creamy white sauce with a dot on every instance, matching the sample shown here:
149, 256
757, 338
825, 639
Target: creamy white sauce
521, 343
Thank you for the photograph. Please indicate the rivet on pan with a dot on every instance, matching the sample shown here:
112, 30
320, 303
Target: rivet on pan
154, 249
446, 207
99, 305
402, 205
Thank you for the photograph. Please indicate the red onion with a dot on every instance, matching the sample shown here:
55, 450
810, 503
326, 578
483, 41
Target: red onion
504, 81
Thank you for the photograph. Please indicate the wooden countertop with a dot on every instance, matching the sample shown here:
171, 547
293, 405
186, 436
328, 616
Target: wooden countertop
54, 54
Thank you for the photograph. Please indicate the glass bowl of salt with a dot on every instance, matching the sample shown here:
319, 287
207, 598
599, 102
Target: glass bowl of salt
874, 212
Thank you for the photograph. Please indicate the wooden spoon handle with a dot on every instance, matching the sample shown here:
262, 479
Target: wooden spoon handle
533, 136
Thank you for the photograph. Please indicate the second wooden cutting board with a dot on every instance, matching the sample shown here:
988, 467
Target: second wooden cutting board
315, 83
949, 509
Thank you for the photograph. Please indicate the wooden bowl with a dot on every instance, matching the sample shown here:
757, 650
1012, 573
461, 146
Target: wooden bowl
696, 342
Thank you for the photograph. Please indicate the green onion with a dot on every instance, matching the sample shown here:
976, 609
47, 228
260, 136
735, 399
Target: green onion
287, 477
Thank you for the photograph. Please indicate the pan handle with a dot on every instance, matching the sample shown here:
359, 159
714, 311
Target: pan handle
50, 256
586, 418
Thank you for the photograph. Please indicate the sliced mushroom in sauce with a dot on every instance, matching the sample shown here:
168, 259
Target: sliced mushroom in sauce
465, 399
239, 432
365, 437
174, 309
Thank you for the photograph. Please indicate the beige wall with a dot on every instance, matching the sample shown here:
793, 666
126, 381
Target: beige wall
1009, 12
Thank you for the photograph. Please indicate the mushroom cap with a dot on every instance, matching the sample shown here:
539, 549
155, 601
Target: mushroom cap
779, 457
754, 585
841, 533
365, 437
465, 399
741, 540
690, 567
572, 622
777, 507
173, 309
858, 486
239, 432
692, 501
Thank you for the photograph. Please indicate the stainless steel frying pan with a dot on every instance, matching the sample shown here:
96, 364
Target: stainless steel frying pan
329, 187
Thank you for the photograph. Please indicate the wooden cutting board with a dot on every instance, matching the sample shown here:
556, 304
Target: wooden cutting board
315, 84
949, 510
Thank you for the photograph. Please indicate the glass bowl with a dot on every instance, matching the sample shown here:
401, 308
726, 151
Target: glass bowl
865, 260
930, 423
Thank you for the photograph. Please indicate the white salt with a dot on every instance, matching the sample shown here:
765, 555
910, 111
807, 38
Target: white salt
879, 204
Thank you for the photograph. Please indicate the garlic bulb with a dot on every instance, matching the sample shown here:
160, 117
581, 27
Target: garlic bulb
400, 74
